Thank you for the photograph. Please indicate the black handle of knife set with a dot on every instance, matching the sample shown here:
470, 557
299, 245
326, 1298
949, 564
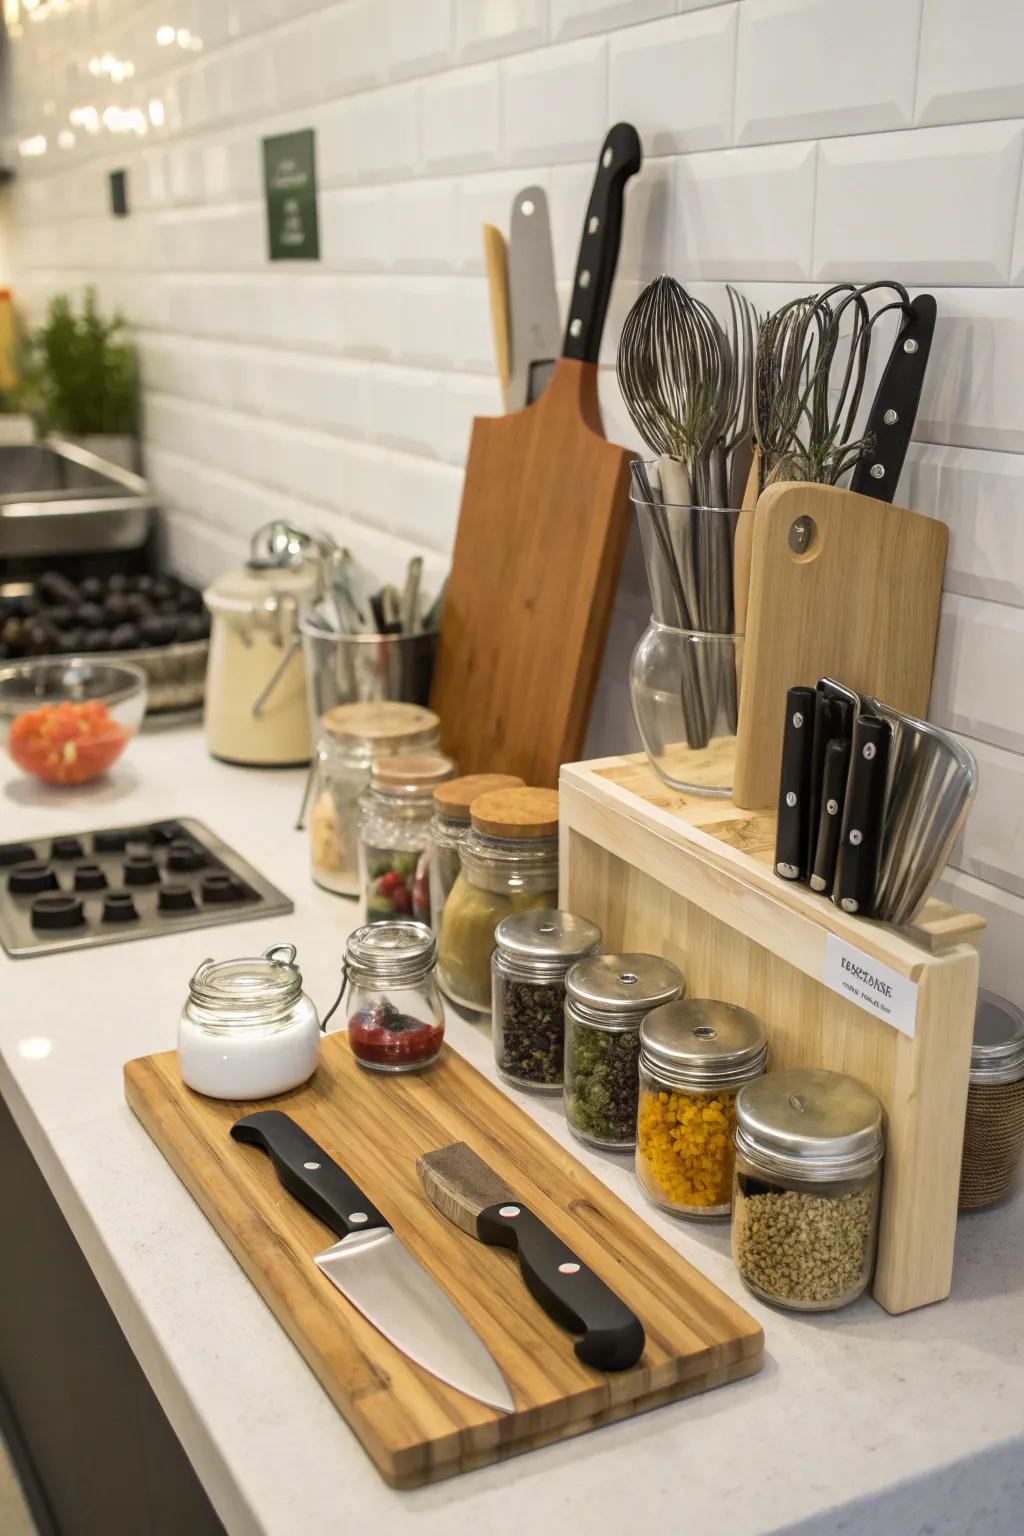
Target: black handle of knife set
620, 158
830, 815
861, 839
795, 785
570, 1293
308, 1173
894, 409
833, 721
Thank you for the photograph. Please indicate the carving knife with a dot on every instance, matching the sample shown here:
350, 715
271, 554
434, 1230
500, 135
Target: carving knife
472, 1196
536, 335
372, 1267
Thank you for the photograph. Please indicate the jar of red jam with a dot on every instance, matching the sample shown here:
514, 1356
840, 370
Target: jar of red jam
395, 1016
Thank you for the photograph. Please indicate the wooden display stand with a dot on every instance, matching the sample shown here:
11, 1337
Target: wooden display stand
691, 878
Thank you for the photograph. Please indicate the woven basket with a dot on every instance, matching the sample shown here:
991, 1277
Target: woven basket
993, 1142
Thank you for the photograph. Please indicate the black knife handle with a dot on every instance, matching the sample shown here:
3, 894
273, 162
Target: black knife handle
795, 785
830, 817
894, 409
620, 158
570, 1293
861, 841
307, 1172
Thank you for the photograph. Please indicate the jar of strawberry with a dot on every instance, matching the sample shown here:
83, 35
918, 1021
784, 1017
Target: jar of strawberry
395, 835
395, 1016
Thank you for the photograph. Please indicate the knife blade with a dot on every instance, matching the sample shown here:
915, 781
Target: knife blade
795, 785
536, 335
473, 1197
371, 1266
860, 843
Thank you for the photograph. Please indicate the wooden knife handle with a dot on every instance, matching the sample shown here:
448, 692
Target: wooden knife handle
496, 263
620, 158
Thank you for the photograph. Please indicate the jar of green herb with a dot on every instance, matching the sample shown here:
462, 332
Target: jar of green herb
606, 999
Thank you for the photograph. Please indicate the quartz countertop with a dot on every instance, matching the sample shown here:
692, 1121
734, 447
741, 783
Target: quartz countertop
858, 1423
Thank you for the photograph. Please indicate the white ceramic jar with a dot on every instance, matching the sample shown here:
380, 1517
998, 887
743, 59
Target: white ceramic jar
247, 1030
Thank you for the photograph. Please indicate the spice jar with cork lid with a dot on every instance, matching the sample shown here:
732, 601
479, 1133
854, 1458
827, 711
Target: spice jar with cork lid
509, 859
994, 1128
809, 1146
452, 801
394, 834
533, 953
606, 998
694, 1058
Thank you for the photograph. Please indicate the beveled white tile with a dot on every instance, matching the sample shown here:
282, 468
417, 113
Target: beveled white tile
573, 18
980, 497
420, 35
745, 213
971, 61
460, 119
658, 67
486, 28
979, 663
556, 103
973, 393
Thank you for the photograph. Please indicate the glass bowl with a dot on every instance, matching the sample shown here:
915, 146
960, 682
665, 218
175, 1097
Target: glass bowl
68, 721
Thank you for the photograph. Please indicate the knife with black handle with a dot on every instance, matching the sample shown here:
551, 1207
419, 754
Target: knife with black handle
620, 158
830, 814
833, 721
473, 1197
894, 409
860, 844
791, 834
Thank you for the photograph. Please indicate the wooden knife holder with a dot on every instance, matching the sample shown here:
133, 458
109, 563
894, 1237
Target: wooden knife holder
842, 586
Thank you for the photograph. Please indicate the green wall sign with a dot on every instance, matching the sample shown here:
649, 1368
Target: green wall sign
289, 184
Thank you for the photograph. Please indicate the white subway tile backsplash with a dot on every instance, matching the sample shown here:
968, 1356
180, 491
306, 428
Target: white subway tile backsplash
973, 392
991, 846
353, 46
980, 497
885, 204
407, 409
420, 34
971, 61
745, 213
357, 228
657, 68
979, 663
1000, 943
422, 232
296, 56
385, 133
486, 28
807, 68
461, 127
556, 103
571, 18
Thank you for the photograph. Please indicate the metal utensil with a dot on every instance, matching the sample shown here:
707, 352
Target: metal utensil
371, 1266
409, 616
471, 1195
535, 329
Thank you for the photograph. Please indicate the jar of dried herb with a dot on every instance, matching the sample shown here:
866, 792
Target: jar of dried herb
809, 1148
450, 825
994, 1127
534, 952
606, 998
694, 1058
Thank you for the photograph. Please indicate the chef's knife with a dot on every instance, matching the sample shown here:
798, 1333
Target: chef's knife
372, 1268
830, 817
795, 785
472, 1196
536, 335
833, 721
860, 844
894, 409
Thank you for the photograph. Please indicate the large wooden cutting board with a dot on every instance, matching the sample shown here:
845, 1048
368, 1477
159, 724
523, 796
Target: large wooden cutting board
416, 1429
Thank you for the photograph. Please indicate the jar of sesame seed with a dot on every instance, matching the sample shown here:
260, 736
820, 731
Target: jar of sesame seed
694, 1057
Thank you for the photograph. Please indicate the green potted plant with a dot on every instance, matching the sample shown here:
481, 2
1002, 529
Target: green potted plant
79, 378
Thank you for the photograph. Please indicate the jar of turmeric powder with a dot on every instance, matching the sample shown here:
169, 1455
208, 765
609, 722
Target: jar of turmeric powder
695, 1055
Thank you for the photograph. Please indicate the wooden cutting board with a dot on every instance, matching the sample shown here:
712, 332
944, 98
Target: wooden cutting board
539, 544
415, 1428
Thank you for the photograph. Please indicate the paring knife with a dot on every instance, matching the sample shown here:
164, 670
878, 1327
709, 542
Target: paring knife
894, 408
535, 332
795, 785
830, 818
860, 843
372, 1268
472, 1196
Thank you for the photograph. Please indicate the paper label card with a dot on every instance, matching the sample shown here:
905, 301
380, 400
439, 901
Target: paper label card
873, 986
289, 184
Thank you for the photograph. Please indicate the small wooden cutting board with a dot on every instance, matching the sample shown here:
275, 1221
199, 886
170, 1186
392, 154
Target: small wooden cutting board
415, 1428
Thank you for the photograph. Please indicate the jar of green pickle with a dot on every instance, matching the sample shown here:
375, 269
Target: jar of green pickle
509, 863
452, 801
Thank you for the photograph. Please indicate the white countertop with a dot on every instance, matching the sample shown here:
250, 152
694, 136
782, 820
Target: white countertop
858, 1423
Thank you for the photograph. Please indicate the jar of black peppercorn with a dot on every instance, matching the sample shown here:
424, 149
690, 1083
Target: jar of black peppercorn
606, 998
528, 969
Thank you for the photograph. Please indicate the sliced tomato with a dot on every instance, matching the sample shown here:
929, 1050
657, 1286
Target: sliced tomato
67, 743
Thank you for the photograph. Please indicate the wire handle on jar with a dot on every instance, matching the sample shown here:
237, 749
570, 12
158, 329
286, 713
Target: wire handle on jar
280, 954
332, 1010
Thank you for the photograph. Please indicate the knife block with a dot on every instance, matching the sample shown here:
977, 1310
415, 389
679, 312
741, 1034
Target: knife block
841, 586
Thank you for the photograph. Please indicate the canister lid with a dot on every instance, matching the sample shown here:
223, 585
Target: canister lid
247, 589
455, 798
524, 812
997, 1055
546, 938
700, 1041
810, 1123
410, 774
617, 990
390, 952
383, 722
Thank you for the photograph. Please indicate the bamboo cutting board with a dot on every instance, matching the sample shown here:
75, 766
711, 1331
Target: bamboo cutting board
415, 1428
539, 544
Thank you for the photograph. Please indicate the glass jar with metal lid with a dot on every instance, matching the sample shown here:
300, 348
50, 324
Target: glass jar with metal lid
394, 834
451, 822
352, 736
533, 953
809, 1147
994, 1128
247, 1029
694, 1058
606, 999
509, 860
395, 1015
